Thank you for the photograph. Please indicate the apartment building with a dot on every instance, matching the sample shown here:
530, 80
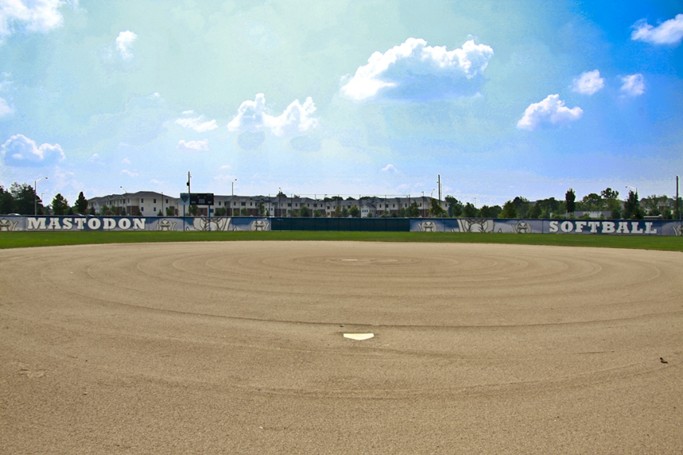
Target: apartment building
149, 203
142, 203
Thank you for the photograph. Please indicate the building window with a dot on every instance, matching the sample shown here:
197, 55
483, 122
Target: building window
155, 201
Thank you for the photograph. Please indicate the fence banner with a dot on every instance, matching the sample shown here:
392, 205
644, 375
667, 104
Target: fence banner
132, 223
609, 227
517, 226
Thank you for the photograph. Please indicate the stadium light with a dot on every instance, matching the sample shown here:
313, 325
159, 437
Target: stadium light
35, 196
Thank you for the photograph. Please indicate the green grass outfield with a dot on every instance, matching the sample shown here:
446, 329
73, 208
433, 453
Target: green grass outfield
35, 239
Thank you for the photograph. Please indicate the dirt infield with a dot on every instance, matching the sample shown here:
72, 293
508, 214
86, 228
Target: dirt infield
238, 347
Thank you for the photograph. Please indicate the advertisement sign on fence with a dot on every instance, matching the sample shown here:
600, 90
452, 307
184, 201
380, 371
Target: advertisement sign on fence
476, 225
124, 223
608, 227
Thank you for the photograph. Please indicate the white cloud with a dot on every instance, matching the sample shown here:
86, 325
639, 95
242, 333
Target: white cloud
252, 117
588, 83
95, 158
20, 150
193, 146
37, 16
633, 85
550, 111
124, 44
198, 124
390, 168
296, 118
130, 173
5, 108
414, 70
668, 32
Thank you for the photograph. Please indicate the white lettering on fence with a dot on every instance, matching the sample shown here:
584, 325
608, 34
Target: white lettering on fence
80, 223
602, 227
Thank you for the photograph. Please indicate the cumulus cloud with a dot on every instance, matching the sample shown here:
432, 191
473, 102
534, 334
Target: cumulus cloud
549, 112
253, 117
124, 44
414, 70
37, 16
588, 83
20, 150
193, 146
130, 173
198, 124
5, 108
633, 85
669, 32
390, 169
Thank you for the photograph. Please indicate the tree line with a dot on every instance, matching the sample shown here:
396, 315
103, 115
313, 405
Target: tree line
23, 200
593, 205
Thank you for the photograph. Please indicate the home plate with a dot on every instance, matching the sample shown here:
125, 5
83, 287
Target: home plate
359, 336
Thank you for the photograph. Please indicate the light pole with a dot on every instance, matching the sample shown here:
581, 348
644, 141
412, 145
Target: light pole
123, 201
232, 195
35, 196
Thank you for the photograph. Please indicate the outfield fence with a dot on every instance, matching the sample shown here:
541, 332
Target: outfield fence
474, 225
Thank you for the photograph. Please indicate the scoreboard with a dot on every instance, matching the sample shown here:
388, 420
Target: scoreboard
197, 198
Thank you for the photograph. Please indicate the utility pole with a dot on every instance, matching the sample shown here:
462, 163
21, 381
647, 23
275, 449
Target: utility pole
35, 196
232, 195
438, 182
189, 191
678, 205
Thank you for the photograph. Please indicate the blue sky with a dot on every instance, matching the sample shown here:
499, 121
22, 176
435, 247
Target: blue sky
500, 98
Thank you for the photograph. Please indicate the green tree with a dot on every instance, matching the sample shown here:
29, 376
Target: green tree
455, 207
521, 206
413, 210
60, 205
354, 211
509, 210
436, 210
609, 193
470, 211
81, 204
612, 202
654, 205
25, 199
632, 206
490, 212
535, 211
569, 199
549, 207
6, 201
592, 202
